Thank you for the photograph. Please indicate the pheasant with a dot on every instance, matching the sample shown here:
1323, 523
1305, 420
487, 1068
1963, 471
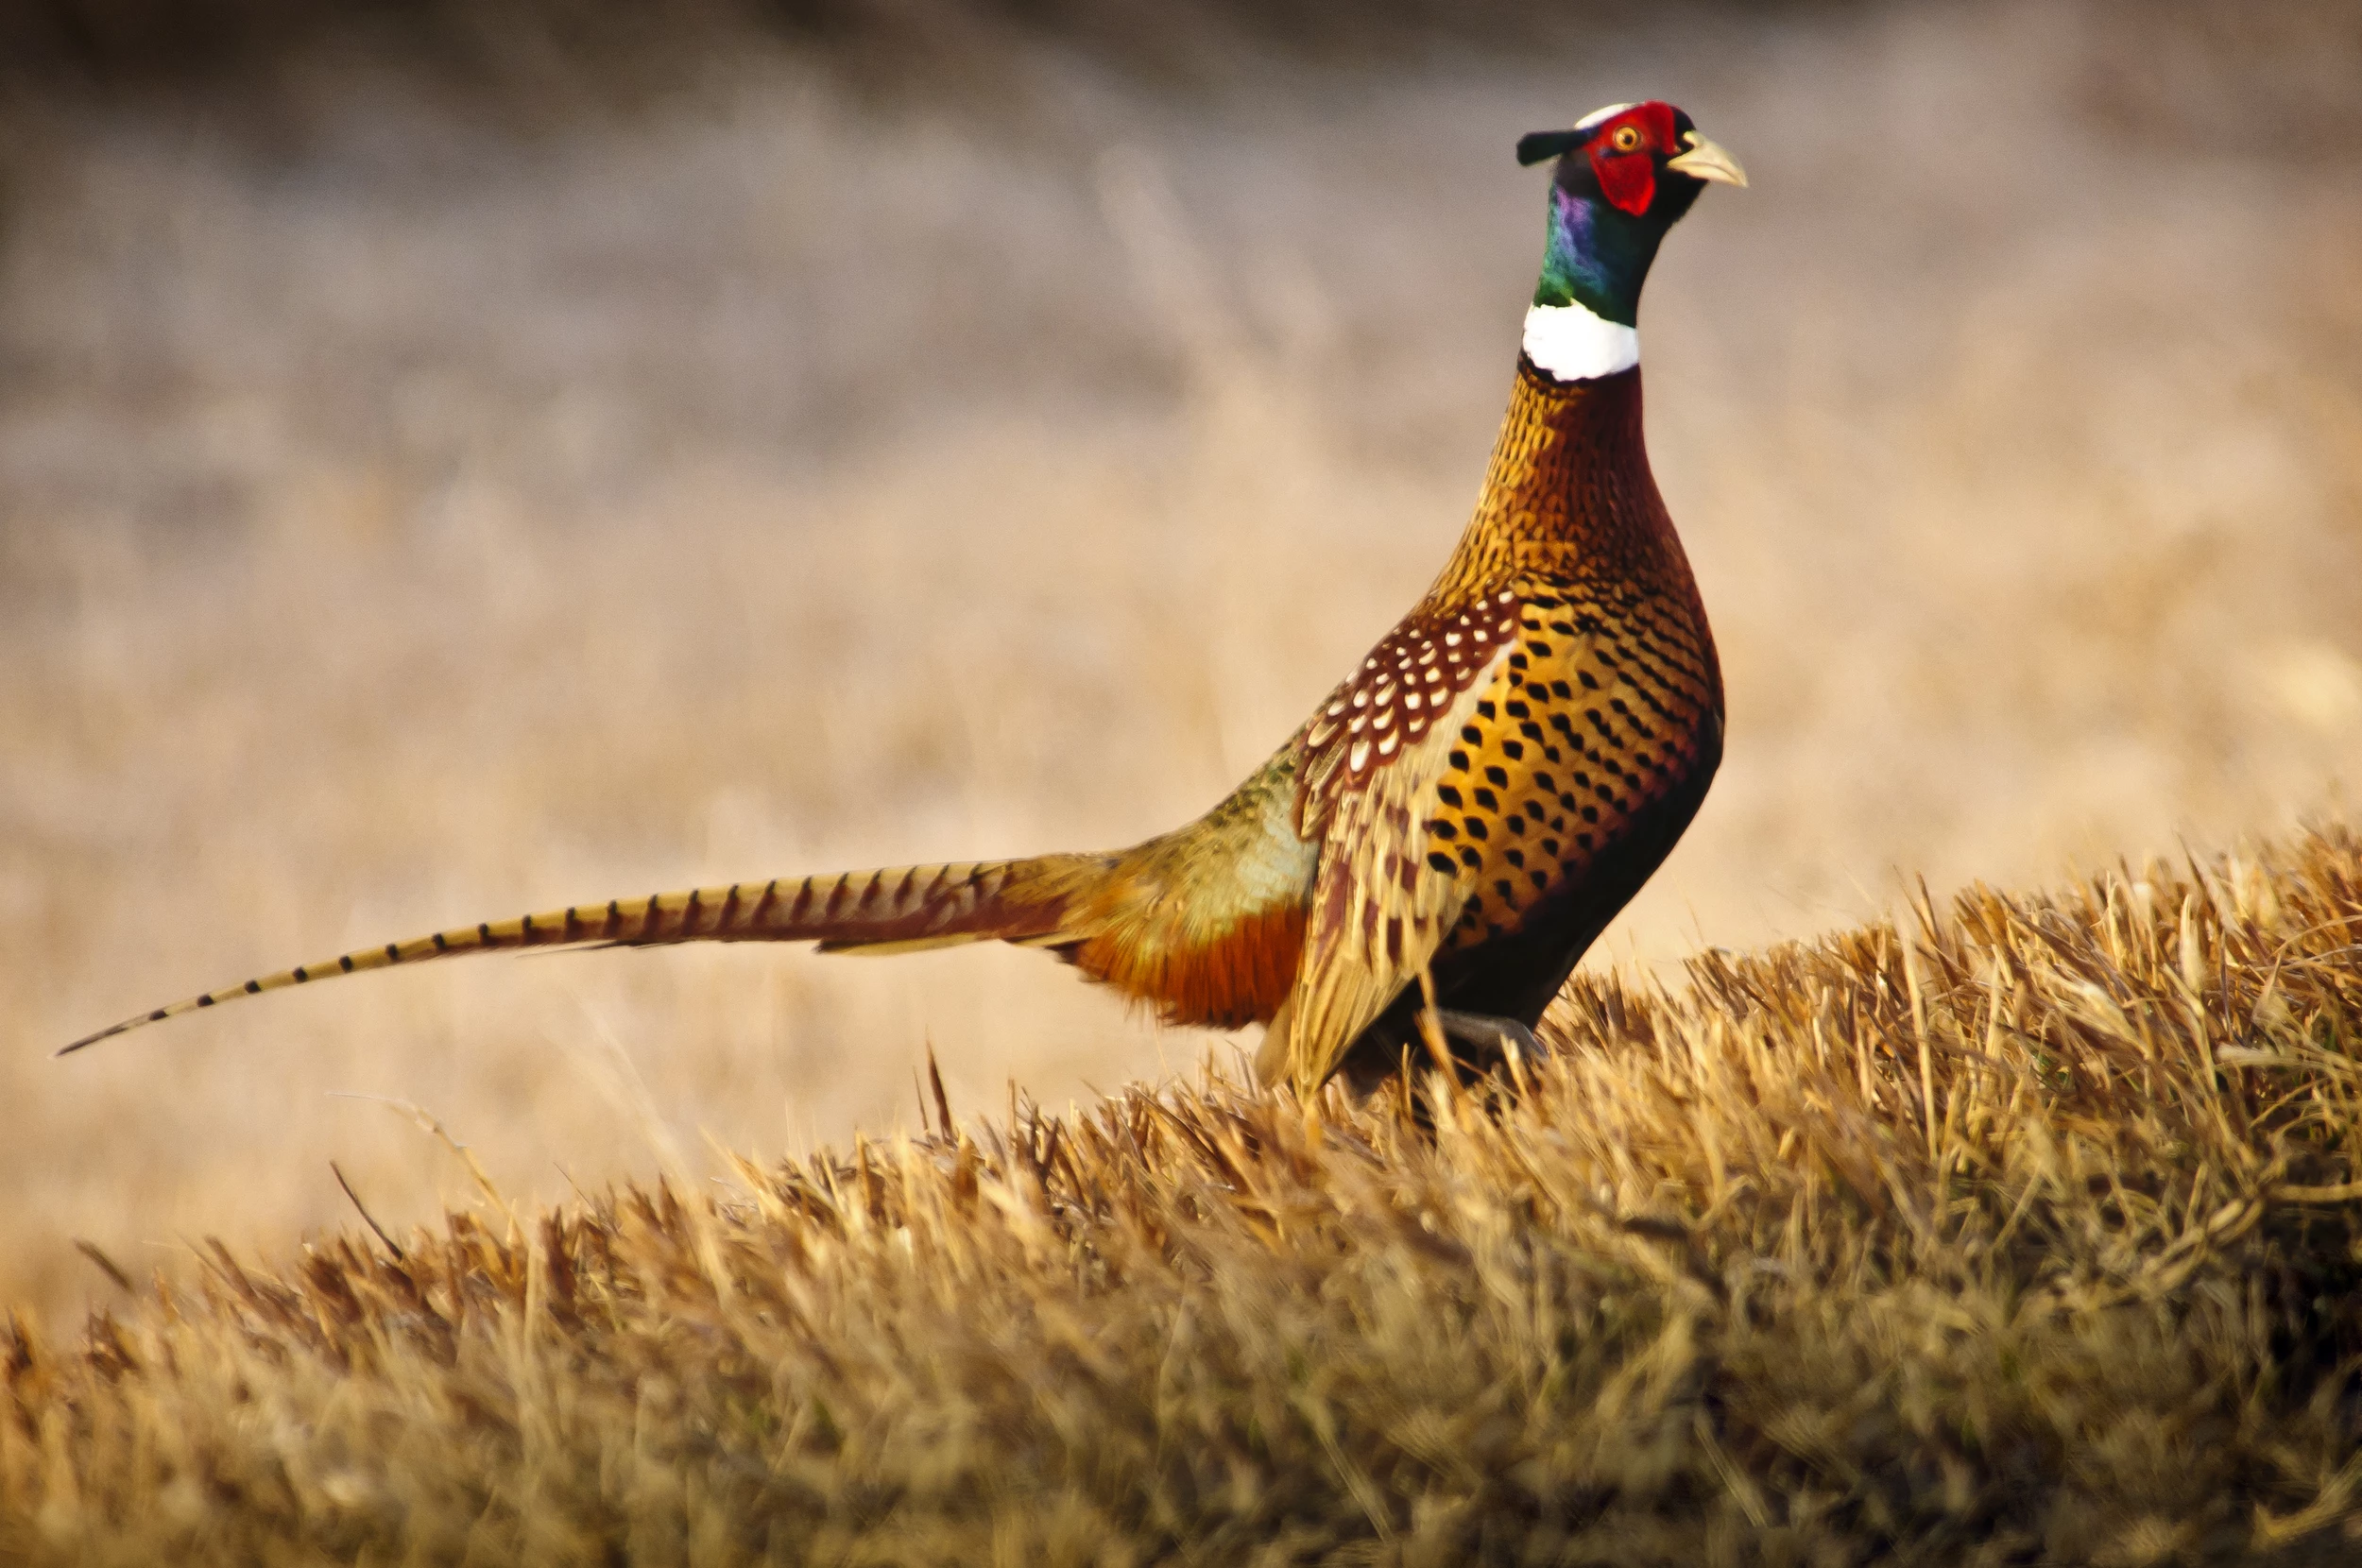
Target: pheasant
1463, 814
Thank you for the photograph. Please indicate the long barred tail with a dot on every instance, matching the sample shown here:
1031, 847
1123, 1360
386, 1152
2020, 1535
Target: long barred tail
899, 909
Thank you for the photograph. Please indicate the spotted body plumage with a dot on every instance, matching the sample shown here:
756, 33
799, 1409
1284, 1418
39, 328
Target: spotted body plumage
1581, 720
1588, 731
1466, 810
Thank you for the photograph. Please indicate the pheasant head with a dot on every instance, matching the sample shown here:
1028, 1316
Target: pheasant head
1625, 175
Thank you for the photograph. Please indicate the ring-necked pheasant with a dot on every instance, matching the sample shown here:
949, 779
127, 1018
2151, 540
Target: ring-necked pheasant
1477, 800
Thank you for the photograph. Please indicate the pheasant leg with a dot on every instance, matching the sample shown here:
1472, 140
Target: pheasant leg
1500, 1038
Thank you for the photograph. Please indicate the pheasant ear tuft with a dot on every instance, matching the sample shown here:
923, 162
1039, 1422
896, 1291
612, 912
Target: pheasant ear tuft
1542, 146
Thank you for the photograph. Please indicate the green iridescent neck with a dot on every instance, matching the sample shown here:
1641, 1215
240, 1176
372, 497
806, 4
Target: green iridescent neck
1596, 256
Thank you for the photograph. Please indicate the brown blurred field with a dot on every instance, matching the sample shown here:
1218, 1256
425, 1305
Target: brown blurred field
415, 507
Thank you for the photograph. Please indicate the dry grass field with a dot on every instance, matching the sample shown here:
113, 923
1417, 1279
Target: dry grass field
2025, 1232
414, 508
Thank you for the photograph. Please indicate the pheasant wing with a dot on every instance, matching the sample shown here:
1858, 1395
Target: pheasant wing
1478, 765
1383, 899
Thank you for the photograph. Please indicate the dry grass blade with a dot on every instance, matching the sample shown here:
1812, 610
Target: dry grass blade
363, 1210
106, 1266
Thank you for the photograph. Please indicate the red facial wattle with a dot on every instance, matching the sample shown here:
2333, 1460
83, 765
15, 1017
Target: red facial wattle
1626, 179
1627, 176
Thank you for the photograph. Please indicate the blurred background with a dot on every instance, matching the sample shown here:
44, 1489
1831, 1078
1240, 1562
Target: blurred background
461, 458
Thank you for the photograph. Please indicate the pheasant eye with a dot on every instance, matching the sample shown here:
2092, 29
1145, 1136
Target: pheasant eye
1627, 139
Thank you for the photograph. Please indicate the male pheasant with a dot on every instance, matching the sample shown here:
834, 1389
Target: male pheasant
1467, 810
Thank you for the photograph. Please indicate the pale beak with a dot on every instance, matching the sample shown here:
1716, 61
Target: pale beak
1704, 160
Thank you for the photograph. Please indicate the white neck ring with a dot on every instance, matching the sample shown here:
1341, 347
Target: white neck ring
1572, 344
